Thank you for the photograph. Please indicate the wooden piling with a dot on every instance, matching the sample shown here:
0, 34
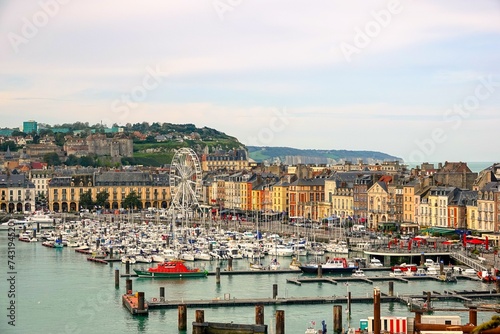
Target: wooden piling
337, 319
38, 226
376, 311
98, 243
391, 288
320, 271
140, 301
349, 304
128, 286
110, 252
259, 314
162, 294
441, 268
117, 278
199, 319
473, 316
217, 275
127, 267
428, 300
280, 322
422, 259
230, 264
182, 317
275, 291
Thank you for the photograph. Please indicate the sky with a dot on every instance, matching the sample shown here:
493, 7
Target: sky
419, 80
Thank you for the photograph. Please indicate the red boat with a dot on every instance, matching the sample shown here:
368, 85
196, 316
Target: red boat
172, 269
405, 267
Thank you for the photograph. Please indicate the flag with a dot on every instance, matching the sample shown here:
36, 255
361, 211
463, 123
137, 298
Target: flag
313, 323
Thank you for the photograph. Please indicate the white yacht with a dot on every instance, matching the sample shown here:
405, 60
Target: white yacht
282, 250
374, 263
18, 225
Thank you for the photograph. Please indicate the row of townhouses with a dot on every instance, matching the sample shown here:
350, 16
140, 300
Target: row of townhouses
450, 196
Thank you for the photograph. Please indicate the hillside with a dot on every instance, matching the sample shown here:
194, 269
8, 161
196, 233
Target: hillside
291, 155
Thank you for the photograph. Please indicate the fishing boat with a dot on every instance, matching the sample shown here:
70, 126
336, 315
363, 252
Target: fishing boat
332, 265
171, 269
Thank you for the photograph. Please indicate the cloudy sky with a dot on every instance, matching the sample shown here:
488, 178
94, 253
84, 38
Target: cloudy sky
415, 79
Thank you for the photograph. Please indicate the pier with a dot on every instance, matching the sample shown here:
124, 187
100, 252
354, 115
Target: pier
467, 296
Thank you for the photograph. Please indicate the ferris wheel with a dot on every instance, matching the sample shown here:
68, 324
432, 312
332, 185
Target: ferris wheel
185, 181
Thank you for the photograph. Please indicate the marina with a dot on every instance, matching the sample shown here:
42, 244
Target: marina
225, 298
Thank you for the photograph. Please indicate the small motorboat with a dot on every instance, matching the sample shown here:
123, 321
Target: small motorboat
375, 263
397, 273
358, 273
447, 277
486, 276
420, 272
274, 265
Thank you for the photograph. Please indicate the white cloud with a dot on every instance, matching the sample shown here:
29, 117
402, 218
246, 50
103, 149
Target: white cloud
231, 74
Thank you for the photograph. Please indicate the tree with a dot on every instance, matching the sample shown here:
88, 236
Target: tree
59, 138
72, 160
52, 159
17, 133
10, 144
102, 198
86, 161
131, 201
86, 199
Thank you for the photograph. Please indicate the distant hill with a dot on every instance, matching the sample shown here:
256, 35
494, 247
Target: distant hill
291, 155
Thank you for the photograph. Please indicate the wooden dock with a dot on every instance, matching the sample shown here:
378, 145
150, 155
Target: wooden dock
97, 260
161, 303
131, 302
368, 279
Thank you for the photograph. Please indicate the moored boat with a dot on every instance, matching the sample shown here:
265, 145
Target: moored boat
447, 277
358, 273
332, 265
295, 264
172, 269
405, 267
486, 276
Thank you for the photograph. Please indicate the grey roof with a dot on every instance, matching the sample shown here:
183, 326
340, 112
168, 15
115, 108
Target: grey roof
120, 178
491, 186
15, 180
309, 182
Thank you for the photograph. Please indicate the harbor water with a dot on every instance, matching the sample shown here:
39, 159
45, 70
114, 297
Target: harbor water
58, 291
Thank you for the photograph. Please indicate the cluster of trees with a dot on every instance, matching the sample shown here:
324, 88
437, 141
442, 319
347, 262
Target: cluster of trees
53, 159
131, 201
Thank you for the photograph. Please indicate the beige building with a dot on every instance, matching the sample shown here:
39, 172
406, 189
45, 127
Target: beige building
234, 160
378, 197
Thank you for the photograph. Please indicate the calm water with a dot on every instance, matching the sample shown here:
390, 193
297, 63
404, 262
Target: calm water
58, 291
